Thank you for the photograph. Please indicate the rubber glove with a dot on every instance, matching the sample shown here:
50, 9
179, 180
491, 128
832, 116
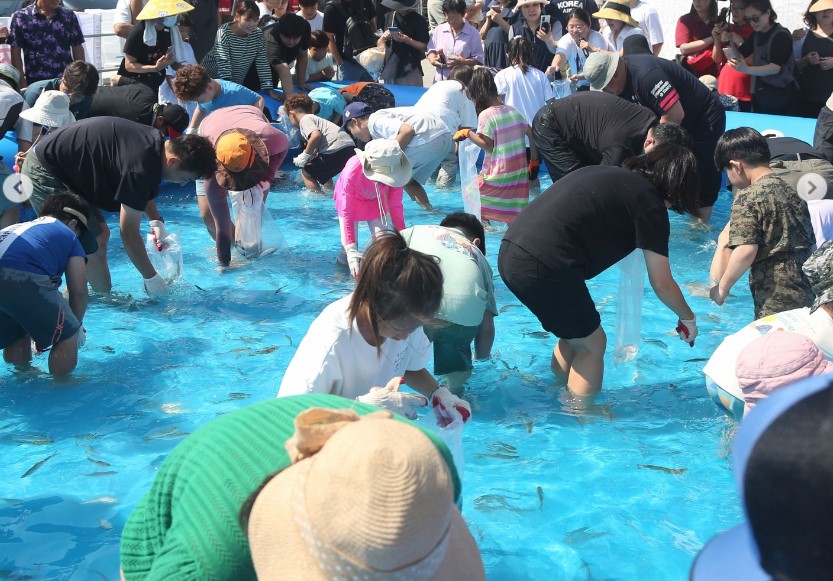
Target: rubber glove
533, 169
354, 259
155, 286
388, 397
461, 134
443, 401
82, 337
302, 159
157, 227
687, 330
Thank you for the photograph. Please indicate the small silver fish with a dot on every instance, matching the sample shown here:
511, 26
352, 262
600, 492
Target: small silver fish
662, 468
581, 536
657, 342
101, 463
264, 351
540, 492
537, 334
37, 465
697, 360
104, 473
498, 455
505, 308
102, 500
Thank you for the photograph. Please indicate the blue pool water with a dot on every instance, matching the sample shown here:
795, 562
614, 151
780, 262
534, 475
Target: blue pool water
153, 372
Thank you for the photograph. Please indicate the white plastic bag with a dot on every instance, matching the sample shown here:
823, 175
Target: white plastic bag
168, 261
451, 435
629, 306
562, 88
291, 132
255, 233
468, 153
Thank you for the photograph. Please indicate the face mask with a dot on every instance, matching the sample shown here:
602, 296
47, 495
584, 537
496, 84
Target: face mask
169, 22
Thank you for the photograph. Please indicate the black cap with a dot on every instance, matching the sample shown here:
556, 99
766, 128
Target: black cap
176, 118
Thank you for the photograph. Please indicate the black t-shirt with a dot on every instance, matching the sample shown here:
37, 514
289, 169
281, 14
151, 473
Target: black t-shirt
658, 84
108, 161
591, 219
564, 7
781, 50
336, 13
134, 102
411, 24
790, 149
601, 128
277, 52
146, 55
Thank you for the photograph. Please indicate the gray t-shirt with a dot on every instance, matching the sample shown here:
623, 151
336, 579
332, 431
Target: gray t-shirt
334, 138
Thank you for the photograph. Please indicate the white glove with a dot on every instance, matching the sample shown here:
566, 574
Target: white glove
190, 131
354, 259
444, 401
687, 330
388, 397
302, 159
82, 337
157, 227
155, 286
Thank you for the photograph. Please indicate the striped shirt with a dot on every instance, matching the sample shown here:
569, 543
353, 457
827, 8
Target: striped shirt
504, 182
232, 57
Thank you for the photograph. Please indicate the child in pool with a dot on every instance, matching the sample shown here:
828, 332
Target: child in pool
501, 129
370, 189
363, 340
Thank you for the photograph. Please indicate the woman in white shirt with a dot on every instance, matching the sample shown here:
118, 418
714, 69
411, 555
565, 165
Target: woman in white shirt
575, 46
620, 25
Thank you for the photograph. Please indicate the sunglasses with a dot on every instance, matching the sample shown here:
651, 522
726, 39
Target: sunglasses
754, 19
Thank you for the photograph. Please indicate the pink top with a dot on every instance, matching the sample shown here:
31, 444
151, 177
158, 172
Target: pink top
355, 198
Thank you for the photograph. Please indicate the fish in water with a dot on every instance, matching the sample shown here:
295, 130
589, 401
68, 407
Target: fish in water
239, 395
161, 433
698, 289
288, 338
104, 473
199, 288
505, 308
264, 351
657, 342
662, 468
537, 334
102, 500
498, 455
108, 349
87, 436
494, 502
697, 360
37, 465
581, 536
31, 439
540, 492
498, 445
101, 463
105, 524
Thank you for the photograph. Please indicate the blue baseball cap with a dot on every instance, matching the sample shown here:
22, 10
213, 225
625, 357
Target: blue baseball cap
354, 110
784, 472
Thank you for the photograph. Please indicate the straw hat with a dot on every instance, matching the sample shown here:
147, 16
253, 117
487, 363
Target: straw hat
242, 159
162, 8
376, 502
51, 110
821, 5
620, 11
383, 161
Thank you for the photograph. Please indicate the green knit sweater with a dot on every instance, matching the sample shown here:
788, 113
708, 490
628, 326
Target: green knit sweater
186, 527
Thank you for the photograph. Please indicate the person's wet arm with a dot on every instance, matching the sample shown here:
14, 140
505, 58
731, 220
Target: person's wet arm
76, 277
129, 221
218, 205
485, 337
664, 285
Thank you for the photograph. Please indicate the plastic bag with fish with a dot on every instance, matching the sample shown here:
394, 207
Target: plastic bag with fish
255, 233
452, 435
168, 260
468, 177
629, 306
292, 133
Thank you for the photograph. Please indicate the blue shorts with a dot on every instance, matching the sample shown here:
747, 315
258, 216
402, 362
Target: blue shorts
30, 304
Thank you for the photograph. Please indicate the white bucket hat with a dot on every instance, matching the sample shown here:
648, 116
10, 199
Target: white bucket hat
51, 110
383, 161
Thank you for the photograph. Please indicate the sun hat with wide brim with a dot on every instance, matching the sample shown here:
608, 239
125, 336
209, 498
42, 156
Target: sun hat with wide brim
242, 159
375, 502
50, 110
615, 11
404, 5
821, 5
522, 3
383, 161
784, 474
599, 69
163, 8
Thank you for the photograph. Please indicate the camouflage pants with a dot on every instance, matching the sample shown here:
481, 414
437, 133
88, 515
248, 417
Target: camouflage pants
778, 284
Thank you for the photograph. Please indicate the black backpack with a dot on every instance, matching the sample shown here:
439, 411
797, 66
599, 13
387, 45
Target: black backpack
358, 33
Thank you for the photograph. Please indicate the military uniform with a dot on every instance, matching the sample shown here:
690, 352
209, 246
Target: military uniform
770, 213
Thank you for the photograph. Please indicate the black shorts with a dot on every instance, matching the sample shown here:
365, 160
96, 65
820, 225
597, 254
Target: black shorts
558, 297
325, 167
553, 149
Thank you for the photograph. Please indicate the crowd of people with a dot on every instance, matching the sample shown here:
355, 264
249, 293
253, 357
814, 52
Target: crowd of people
637, 136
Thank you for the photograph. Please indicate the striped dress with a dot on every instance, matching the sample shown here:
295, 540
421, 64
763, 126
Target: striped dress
232, 56
504, 183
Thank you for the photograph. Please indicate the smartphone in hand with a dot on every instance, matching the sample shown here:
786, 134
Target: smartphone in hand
730, 53
545, 23
393, 30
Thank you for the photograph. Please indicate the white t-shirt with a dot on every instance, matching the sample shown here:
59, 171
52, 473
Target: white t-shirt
821, 215
166, 93
334, 138
648, 19
334, 358
575, 56
314, 66
620, 40
525, 92
122, 15
448, 100
818, 327
316, 23
385, 124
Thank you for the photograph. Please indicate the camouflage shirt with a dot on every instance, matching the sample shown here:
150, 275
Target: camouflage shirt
770, 213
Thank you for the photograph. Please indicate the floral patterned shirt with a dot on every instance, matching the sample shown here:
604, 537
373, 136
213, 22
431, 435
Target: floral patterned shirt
46, 43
